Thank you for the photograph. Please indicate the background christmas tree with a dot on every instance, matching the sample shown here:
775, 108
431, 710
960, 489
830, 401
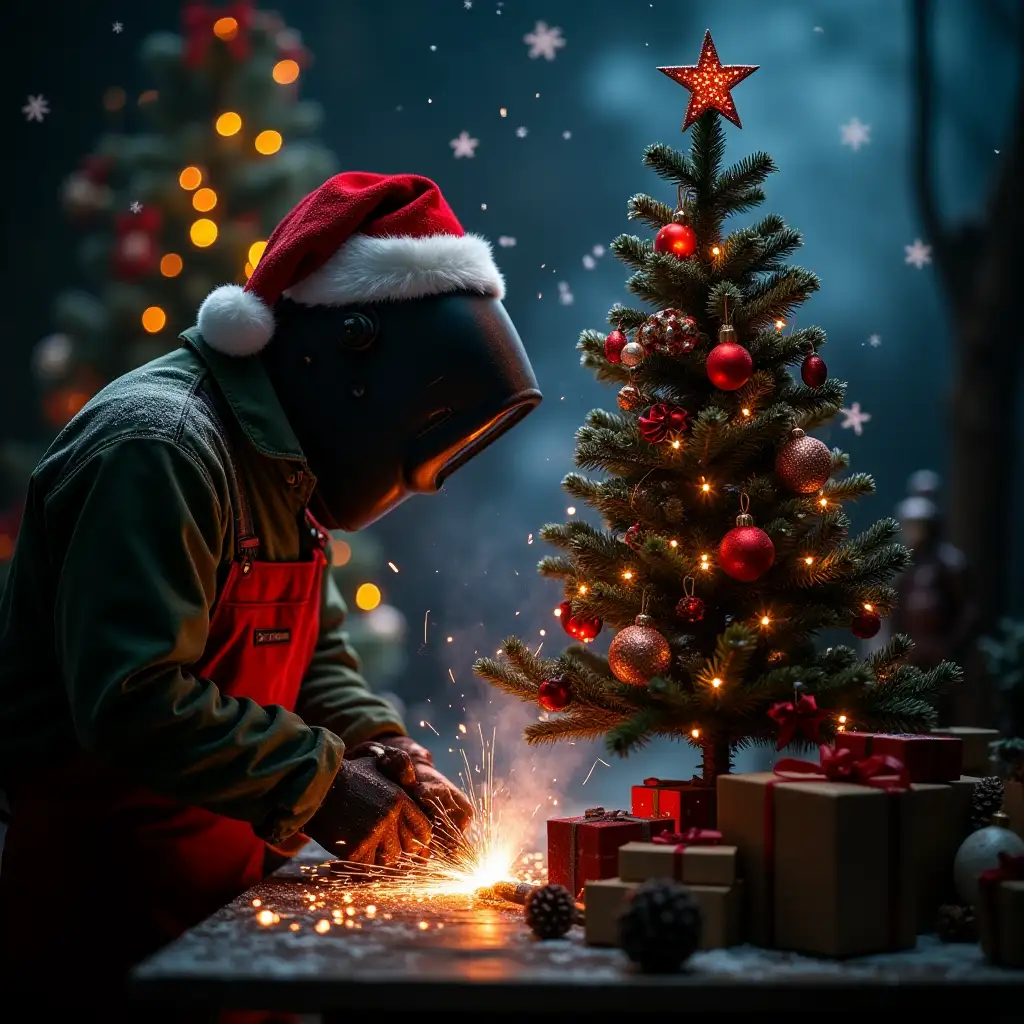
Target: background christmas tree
710, 434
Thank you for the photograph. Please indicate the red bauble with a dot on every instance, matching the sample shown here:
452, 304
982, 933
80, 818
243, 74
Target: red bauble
729, 366
813, 371
613, 346
583, 627
564, 613
690, 609
678, 239
866, 625
554, 694
746, 553
633, 537
662, 420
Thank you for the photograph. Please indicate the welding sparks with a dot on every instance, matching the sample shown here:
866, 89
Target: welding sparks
592, 767
392, 567
426, 614
452, 675
426, 725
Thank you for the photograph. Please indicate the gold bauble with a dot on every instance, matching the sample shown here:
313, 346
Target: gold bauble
639, 653
630, 398
803, 464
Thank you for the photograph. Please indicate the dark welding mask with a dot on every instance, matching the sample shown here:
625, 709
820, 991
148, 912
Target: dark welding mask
389, 399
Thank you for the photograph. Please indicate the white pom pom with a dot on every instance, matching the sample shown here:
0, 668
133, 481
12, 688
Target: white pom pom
235, 322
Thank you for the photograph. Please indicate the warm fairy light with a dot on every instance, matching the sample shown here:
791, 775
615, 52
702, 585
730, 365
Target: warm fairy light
256, 251
203, 232
322, 926
745, 411
842, 719
266, 918
423, 926
171, 264
267, 143
229, 123
705, 487
695, 733
558, 612
582, 588
705, 564
225, 29
450, 639
367, 597
190, 178
341, 552
716, 250
204, 200
247, 270
765, 621
868, 608
673, 543
779, 324
571, 510
808, 559
153, 319
627, 575
675, 444
823, 501
716, 682
285, 72
257, 903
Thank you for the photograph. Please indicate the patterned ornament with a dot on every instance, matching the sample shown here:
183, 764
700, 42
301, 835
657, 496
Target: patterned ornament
676, 238
632, 354
689, 608
729, 364
803, 463
710, 82
629, 398
669, 332
813, 370
638, 653
800, 718
663, 421
746, 552
866, 624
633, 537
554, 694
613, 346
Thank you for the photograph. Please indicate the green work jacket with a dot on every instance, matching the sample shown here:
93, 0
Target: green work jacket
127, 532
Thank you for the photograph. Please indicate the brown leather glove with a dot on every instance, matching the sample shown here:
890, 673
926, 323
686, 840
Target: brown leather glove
368, 818
431, 790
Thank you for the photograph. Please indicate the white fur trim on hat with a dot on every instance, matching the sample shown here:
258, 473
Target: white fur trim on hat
234, 321
368, 269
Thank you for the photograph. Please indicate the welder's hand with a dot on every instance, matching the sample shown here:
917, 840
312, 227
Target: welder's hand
367, 818
397, 756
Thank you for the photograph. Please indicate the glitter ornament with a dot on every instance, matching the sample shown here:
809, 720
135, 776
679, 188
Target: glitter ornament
554, 694
813, 370
710, 82
669, 332
746, 552
638, 653
633, 537
867, 624
678, 239
803, 463
613, 346
632, 354
689, 608
729, 364
629, 398
662, 422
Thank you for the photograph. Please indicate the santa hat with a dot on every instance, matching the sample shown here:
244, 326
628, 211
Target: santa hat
360, 237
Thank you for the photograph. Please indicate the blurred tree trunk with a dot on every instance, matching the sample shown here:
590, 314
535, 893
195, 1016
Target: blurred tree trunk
979, 265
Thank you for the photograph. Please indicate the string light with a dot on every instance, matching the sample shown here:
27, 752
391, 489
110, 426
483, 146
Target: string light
229, 123
765, 621
225, 29
673, 543
675, 444
267, 143
558, 612
285, 72
704, 485
190, 178
704, 562
779, 324
745, 411
695, 733
204, 200
582, 589
627, 575
808, 559
716, 250
153, 319
823, 501
171, 264
716, 682
868, 608
842, 719
203, 233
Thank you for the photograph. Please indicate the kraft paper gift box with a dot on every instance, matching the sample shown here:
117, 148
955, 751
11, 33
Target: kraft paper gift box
927, 758
1001, 912
828, 867
688, 804
977, 753
693, 858
720, 908
587, 846
1013, 805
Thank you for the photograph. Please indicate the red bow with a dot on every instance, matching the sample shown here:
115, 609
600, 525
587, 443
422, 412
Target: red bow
804, 718
199, 21
1011, 869
691, 837
878, 771
657, 421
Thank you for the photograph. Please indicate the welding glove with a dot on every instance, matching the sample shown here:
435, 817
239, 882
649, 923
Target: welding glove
447, 805
367, 818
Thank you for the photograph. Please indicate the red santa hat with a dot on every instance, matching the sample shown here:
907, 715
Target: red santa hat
360, 237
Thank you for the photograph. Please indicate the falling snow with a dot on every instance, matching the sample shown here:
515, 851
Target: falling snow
506, 241
567, 134
136, 207
854, 418
565, 296
917, 255
875, 340
464, 145
589, 262
36, 108
117, 28
598, 251
543, 41
521, 132
854, 134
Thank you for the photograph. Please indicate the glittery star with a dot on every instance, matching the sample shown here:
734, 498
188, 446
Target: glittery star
710, 83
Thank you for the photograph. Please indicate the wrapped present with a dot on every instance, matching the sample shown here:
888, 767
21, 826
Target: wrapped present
1001, 911
926, 758
688, 804
587, 846
827, 852
977, 747
720, 908
1013, 805
694, 857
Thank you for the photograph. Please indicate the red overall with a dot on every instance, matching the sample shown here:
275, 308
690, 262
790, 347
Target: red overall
97, 871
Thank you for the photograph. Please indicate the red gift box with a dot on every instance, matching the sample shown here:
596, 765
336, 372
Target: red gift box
686, 804
586, 848
927, 758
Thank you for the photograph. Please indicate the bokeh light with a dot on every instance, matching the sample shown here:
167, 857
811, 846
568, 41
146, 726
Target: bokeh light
367, 597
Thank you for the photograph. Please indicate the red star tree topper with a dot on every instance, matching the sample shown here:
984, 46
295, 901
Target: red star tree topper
710, 83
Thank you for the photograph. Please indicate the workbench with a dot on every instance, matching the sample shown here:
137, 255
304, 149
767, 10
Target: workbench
461, 955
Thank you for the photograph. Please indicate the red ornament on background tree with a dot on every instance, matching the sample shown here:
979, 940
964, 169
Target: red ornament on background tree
746, 552
729, 364
198, 27
669, 332
813, 371
866, 624
137, 246
689, 608
554, 694
639, 652
799, 717
613, 346
633, 537
803, 463
663, 421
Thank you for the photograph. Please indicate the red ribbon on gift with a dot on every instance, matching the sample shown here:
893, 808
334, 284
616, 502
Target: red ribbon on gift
198, 21
802, 718
589, 817
691, 837
1010, 869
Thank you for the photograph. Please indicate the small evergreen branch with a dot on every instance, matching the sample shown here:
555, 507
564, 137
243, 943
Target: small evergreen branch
582, 488
734, 649
626, 319
753, 394
776, 296
581, 726
750, 172
670, 165
741, 251
633, 733
651, 211
554, 567
887, 657
603, 419
875, 536
879, 567
506, 677
856, 485
778, 246
633, 251
525, 661
808, 403
598, 448
594, 663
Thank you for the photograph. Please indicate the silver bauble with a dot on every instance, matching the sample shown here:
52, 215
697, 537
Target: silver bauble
979, 852
633, 354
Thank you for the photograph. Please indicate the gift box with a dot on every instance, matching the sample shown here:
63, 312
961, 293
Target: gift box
1001, 911
587, 846
695, 857
688, 804
977, 748
926, 758
1013, 805
828, 866
720, 908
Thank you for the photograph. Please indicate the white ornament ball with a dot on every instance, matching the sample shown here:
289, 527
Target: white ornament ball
633, 354
979, 852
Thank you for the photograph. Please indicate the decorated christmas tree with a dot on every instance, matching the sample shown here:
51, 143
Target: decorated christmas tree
725, 550
178, 196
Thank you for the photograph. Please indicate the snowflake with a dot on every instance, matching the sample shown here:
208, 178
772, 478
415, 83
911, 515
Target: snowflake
598, 251
918, 255
564, 294
543, 41
875, 340
117, 27
567, 134
506, 241
36, 109
854, 418
464, 145
854, 134
136, 207
468, 4
589, 262
818, 29
521, 132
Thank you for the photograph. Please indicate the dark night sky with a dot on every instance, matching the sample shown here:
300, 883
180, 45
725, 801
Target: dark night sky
400, 79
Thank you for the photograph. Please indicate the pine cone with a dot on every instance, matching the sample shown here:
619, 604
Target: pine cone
956, 924
660, 927
986, 800
549, 911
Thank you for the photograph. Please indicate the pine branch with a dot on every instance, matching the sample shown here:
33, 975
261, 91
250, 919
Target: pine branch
626, 319
775, 297
748, 173
598, 448
886, 658
670, 165
875, 536
525, 661
733, 651
633, 733
633, 251
571, 726
856, 485
556, 568
778, 246
651, 211
506, 677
